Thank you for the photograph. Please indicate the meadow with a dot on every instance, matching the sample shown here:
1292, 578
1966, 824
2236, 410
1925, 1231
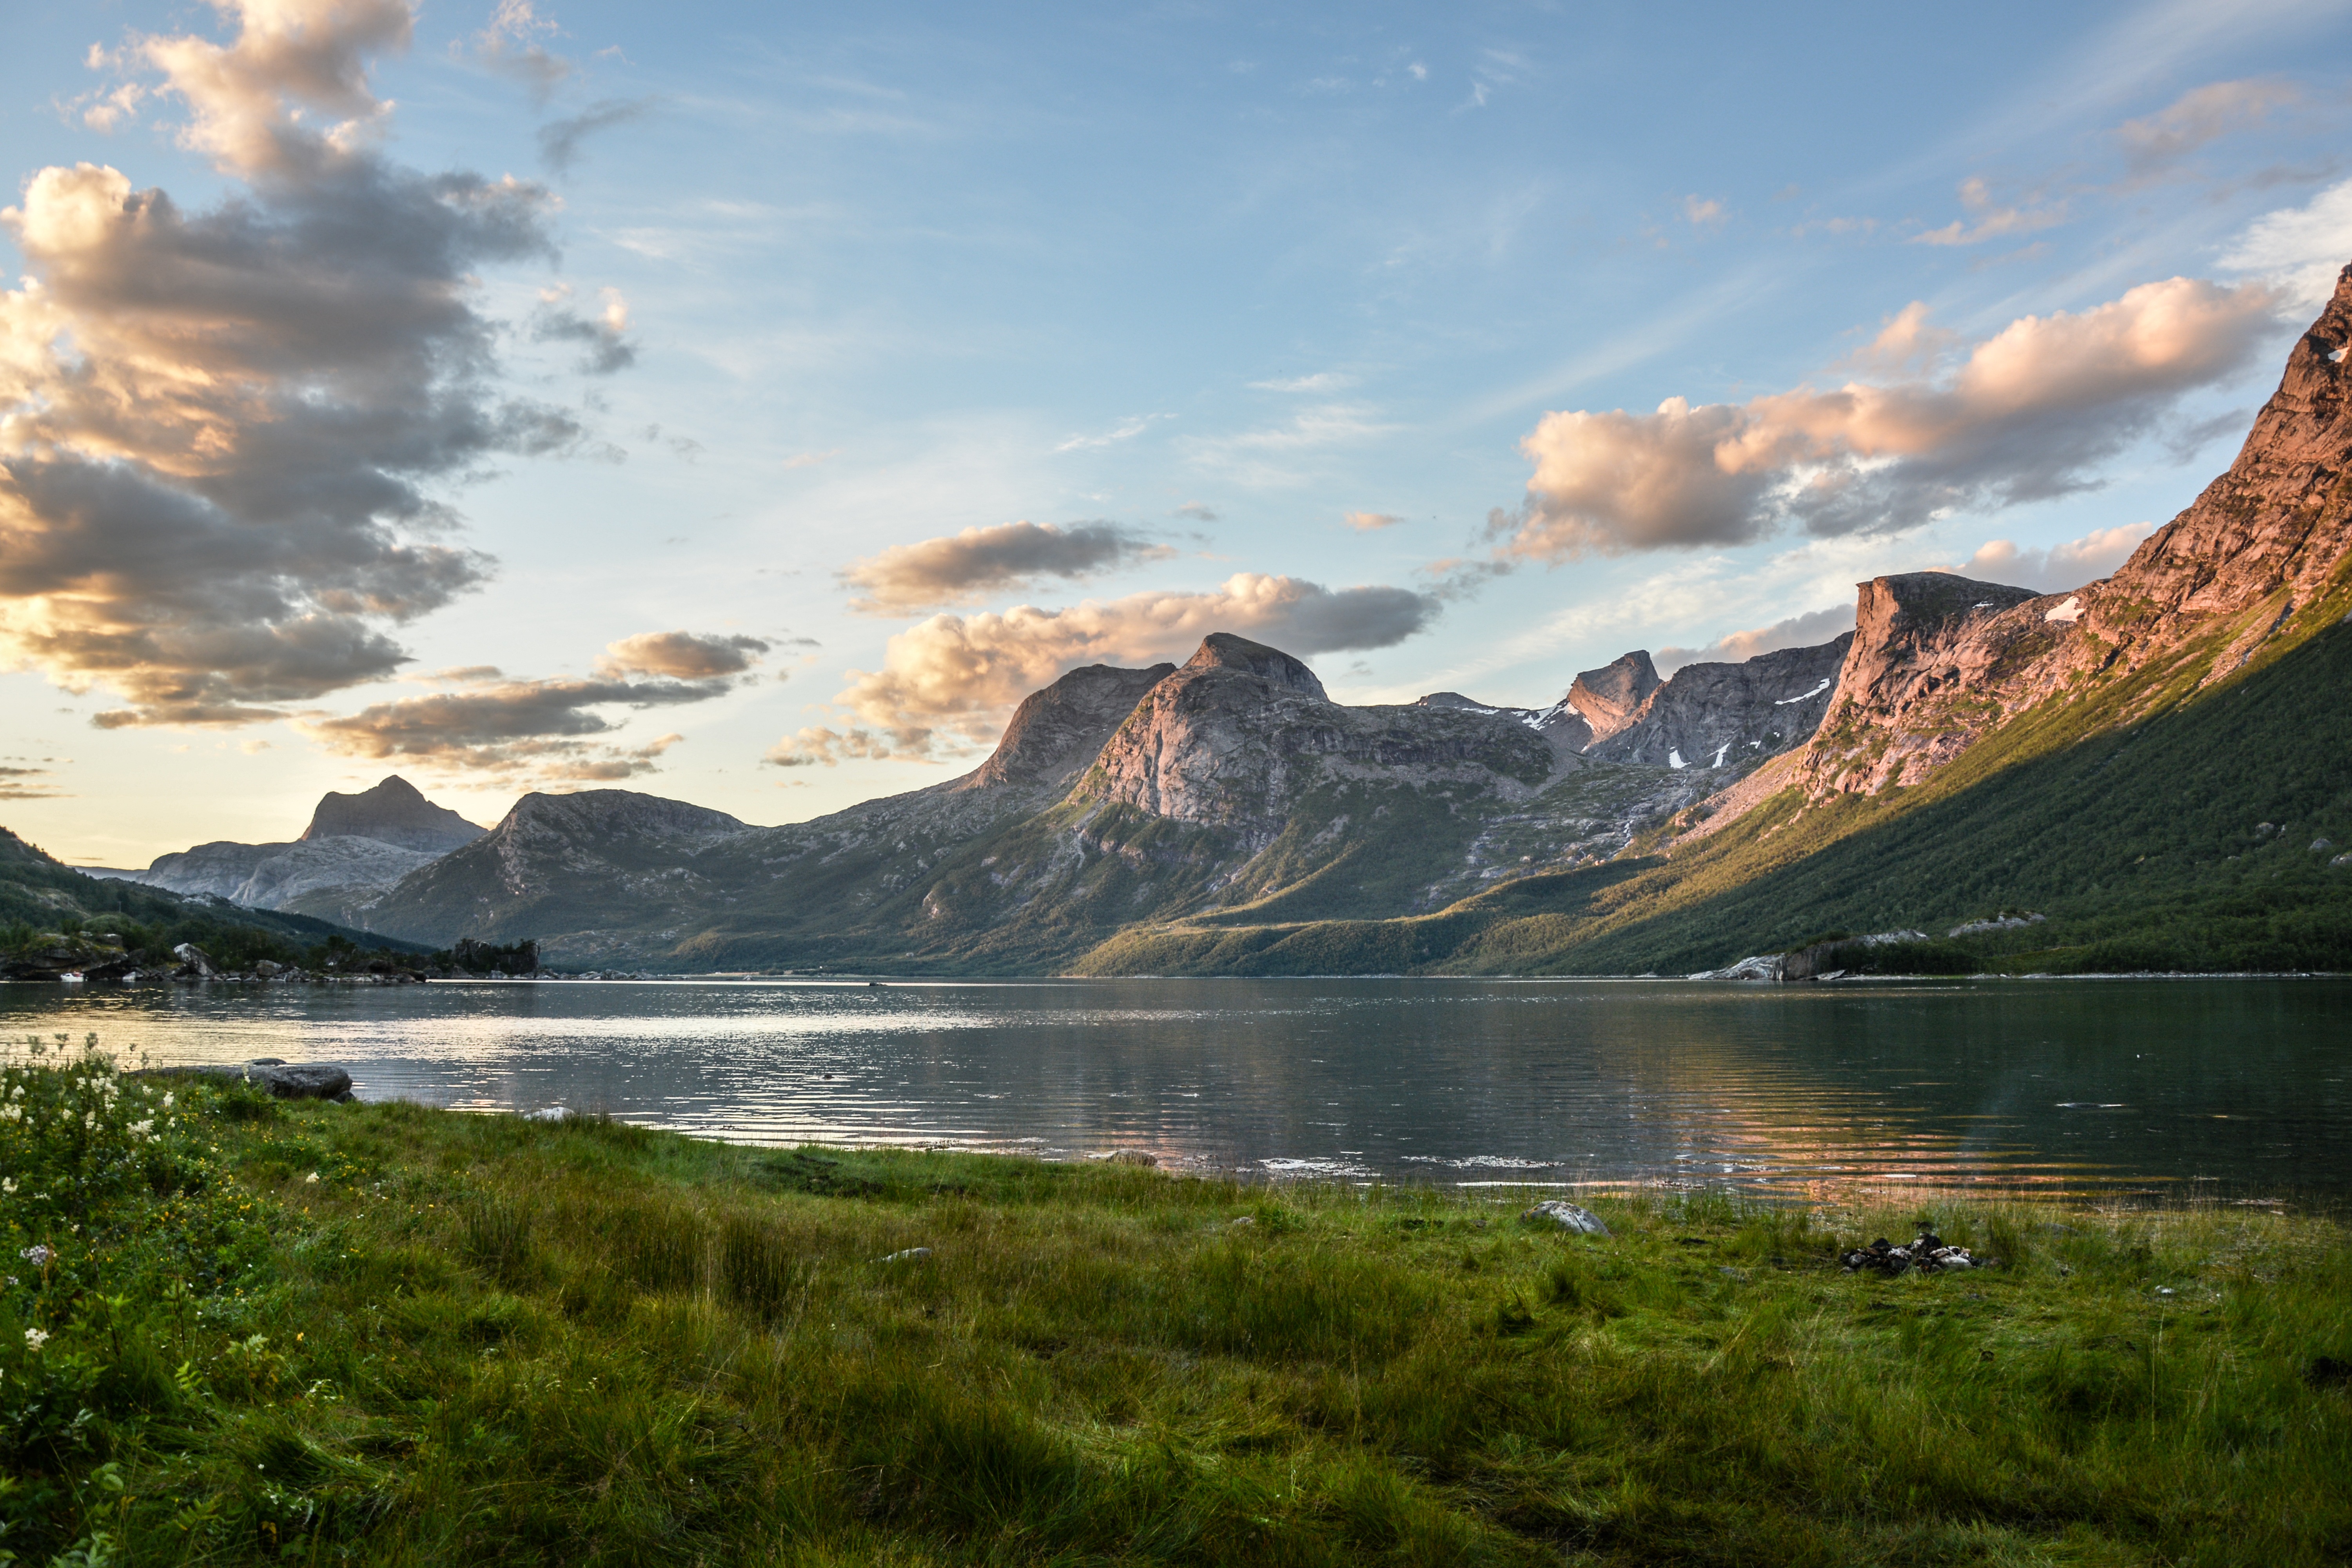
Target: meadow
240, 1331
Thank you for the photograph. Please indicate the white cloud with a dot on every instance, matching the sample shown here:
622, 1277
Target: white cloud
2068, 565
1991, 220
1126, 431
1705, 212
2299, 250
224, 431
2199, 116
1811, 629
951, 681
2026, 416
1321, 381
1366, 522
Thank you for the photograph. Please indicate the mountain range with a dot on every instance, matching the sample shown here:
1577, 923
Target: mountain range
2157, 763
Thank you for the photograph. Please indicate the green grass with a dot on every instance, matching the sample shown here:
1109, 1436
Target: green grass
482, 1340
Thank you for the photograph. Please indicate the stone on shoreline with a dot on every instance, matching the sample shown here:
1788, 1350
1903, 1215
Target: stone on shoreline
1568, 1217
286, 1080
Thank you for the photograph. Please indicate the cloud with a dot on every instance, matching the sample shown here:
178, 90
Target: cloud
2299, 251
560, 140
605, 336
2069, 566
679, 655
2027, 415
1199, 511
2196, 117
1992, 221
1126, 431
1811, 629
963, 568
510, 46
223, 432
1322, 380
498, 726
1705, 211
950, 682
1366, 522
29, 783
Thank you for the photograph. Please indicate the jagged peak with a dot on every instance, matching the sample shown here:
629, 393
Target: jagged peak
1224, 650
617, 809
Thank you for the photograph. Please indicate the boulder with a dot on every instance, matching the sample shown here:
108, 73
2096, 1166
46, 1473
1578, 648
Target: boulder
195, 961
286, 1080
1130, 1157
1568, 1217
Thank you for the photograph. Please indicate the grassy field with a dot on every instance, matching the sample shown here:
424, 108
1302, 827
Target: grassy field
387, 1334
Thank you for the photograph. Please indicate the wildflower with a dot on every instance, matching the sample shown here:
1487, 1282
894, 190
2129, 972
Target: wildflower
143, 1129
167, 1101
37, 1255
7, 1185
35, 1339
311, 1180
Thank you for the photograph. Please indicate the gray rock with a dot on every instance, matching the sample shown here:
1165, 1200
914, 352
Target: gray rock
911, 1255
1568, 1217
2321, 846
1762, 967
1130, 1157
194, 959
2341, 860
286, 1080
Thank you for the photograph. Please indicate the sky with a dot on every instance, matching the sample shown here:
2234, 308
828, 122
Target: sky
749, 404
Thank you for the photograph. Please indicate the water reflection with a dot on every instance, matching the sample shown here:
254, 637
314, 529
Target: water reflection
2075, 1085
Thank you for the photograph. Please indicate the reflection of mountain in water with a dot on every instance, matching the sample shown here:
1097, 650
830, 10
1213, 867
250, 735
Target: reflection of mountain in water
1779, 1088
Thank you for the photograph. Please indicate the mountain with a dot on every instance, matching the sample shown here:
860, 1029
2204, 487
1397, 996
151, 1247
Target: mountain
1231, 789
355, 847
393, 813
54, 917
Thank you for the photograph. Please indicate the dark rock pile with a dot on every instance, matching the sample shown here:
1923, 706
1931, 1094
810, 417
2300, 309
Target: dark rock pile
1929, 1255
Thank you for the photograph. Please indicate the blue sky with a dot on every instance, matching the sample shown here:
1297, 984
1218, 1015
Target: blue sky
1254, 314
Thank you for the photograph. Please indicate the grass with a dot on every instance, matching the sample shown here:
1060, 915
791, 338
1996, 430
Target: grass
480, 1339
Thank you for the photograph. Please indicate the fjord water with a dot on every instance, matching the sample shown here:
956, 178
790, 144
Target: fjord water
2223, 1087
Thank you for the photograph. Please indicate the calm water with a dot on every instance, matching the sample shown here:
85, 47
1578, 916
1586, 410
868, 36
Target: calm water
2233, 1086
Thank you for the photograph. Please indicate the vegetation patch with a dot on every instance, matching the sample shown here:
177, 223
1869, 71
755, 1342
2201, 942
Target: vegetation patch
238, 1330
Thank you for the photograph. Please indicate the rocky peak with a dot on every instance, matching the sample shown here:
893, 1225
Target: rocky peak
1608, 698
2277, 517
1716, 715
394, 811
1058, 730
1223, 650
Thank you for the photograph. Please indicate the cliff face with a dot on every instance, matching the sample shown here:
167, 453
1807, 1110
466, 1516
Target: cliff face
1057, 731
1610, 699
1235, 738
2258, 561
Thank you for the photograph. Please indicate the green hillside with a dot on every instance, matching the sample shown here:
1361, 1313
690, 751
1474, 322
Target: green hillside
2130, 813
39, 897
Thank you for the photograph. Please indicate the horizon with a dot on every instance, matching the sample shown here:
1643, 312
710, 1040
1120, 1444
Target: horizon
755, 406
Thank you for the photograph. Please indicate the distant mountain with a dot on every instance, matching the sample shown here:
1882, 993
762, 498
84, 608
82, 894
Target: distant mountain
119, 925
391, 812
1230, 790
355, 847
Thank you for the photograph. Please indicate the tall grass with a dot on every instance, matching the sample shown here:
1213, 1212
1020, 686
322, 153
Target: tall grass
482, 1340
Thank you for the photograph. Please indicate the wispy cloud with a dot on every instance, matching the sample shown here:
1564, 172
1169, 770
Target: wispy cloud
1127, 430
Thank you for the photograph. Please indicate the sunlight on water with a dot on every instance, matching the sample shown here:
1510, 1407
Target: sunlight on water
2197, 1085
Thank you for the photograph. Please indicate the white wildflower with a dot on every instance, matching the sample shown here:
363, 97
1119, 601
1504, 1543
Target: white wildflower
167, 1101
143, 1129
37, 1255
35, 1339
311, 1180
7, 1185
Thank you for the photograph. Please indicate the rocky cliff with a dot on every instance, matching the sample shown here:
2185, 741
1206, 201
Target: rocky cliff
2257, 562
1731, 715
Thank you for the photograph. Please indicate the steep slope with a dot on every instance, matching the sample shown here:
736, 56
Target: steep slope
53, 917
1718, 715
